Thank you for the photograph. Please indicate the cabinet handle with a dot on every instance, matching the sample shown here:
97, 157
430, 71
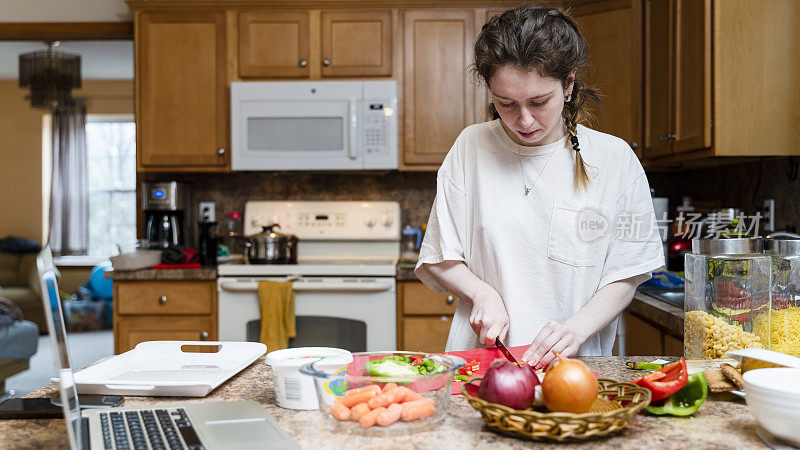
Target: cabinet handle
162, 300
220, 152
204, 335
662, 138
303, 63
670, 136
635, 145
450, 299
326, 62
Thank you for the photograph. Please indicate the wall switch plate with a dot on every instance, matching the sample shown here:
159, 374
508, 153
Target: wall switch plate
206, 212
769, 214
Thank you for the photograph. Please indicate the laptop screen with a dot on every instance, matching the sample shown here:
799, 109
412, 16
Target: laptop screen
58, 342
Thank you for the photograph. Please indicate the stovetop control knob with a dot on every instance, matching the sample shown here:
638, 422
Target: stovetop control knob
370, 221
386, 220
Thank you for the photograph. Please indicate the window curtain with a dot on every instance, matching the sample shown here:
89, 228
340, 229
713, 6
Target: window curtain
69, 206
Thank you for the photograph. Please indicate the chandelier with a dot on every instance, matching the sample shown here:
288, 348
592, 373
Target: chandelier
51, 76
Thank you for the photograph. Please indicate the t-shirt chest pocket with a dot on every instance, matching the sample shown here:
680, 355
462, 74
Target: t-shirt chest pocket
575, 232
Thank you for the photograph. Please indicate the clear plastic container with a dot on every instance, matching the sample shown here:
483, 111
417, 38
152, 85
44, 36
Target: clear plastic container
434, 386
727, 288
783, 320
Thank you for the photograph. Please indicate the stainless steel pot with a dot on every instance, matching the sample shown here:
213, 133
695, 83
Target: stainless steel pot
269, 246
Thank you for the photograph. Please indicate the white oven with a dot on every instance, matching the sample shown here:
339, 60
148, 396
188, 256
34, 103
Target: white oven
344, 281
314, 125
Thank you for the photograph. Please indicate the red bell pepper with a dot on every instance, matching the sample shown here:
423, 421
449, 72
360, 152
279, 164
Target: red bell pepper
417, 360
470, 367
665, 381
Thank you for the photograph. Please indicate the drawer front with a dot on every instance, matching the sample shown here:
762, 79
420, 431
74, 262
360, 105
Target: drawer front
426, 334
419, 300
174, 297
129, 331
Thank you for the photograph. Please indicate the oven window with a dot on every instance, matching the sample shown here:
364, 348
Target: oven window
295, 134
319, 331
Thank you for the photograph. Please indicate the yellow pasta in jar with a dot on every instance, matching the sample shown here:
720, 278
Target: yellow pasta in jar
709, 337
783, 328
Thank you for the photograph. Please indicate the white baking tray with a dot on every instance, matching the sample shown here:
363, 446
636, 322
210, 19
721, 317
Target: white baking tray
161, 368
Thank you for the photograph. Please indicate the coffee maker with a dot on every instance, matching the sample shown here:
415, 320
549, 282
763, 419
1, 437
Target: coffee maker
163, 205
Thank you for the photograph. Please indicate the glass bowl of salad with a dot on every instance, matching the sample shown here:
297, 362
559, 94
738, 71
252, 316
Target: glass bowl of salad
385, 393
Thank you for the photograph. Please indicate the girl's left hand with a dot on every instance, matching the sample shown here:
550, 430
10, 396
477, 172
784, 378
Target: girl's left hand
553, 336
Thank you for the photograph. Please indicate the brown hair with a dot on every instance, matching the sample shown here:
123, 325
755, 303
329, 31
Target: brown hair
547, 40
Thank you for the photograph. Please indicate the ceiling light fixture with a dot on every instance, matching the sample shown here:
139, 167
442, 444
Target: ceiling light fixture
51, 76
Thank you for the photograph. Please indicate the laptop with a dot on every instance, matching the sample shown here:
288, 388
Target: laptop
191, 426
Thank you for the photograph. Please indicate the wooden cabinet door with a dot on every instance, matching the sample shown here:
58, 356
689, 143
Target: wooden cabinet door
273, 45
427, 334
131, 330
356, 44
612, 30
641, 338
658, 69
182, 90
439, 96
692, 121
417, 299
165, 298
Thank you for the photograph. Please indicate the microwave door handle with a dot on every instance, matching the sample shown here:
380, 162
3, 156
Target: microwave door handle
352, 150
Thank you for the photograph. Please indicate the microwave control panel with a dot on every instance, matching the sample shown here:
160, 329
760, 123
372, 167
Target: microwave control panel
377, 126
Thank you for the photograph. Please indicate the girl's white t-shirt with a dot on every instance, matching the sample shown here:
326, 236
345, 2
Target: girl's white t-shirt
546, 253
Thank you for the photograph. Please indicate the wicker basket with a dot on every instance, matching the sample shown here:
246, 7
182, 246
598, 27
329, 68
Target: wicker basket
616, 403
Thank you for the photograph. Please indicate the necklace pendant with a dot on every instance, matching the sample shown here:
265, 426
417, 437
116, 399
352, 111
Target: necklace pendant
527, 190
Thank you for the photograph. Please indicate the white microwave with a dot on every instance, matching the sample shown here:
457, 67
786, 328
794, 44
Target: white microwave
314, 125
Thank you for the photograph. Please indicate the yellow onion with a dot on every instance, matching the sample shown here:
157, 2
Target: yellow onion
569, 386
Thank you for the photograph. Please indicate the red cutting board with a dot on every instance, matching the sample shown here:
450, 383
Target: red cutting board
484, 357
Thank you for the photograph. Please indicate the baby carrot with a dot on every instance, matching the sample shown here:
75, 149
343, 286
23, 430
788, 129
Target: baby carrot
370, 388
409, 395
388, 386
386, 398
359, 411
418, 409
359, 397
371, 417
340, 411
391, 415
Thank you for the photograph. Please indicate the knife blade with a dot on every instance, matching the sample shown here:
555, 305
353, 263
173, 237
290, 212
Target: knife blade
505, 351
511, 358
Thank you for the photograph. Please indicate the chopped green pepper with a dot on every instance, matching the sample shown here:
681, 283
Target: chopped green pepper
643, 365
462, 378
686, 401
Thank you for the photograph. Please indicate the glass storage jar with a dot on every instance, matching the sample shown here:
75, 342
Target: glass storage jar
727, 287
783, 320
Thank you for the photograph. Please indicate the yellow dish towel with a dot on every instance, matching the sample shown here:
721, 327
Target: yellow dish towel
277, 313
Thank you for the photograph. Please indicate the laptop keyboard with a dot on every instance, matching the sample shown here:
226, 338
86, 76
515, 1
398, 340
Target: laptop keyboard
158, 429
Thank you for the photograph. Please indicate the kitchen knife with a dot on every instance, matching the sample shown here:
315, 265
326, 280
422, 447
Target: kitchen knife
510, 357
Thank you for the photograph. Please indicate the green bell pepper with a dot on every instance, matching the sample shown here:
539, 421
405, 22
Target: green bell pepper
686, 401
643, 366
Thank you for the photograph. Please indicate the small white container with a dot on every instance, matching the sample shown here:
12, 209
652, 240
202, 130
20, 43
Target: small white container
294, 390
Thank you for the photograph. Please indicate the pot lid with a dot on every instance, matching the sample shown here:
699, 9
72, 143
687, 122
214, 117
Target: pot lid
268, 232
782, 247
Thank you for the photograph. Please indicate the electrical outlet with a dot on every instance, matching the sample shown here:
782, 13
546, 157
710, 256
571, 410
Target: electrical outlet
769, 215
206, 212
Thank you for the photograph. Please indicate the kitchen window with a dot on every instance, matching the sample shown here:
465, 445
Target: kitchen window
111, 182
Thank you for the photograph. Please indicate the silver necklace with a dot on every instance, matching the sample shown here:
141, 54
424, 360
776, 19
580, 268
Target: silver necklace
522, 173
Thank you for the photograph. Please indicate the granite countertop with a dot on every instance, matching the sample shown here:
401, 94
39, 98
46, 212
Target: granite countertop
722, 422
201, 274
405, 272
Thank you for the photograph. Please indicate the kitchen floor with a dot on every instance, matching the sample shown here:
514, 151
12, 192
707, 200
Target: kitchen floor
84, 349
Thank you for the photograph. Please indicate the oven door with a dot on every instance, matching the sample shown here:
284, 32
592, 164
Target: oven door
354, 313
283, 126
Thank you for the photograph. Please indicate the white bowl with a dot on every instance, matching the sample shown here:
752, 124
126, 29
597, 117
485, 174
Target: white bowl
294, 390
773, 396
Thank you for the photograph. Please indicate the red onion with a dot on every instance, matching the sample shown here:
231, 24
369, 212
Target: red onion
506, 383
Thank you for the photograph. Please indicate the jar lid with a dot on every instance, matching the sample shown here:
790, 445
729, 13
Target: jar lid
728, 246
782, 247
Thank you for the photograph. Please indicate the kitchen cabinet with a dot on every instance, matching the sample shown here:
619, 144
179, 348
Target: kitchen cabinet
424, 317
181, 91
645, 338
612, 31
438, 96
714, 84
280, 44
163, 310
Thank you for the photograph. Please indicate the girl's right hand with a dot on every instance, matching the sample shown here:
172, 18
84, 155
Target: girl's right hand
489, 318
